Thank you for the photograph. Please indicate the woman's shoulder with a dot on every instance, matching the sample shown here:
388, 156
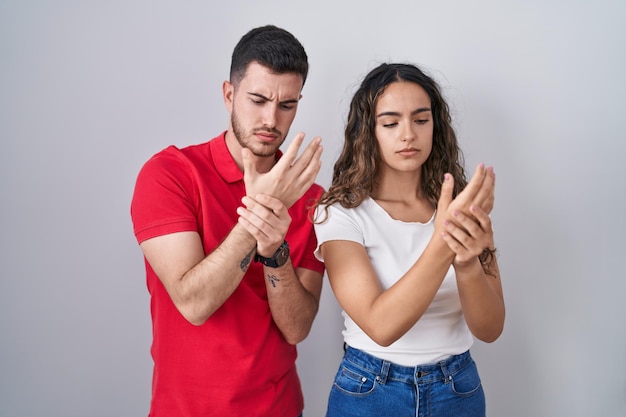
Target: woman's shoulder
365, 205
336, 212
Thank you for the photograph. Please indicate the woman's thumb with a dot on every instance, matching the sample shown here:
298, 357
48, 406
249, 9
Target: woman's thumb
447, 188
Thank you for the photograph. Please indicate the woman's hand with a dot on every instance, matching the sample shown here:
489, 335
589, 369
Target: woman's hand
468, 236
479, 192
463, 222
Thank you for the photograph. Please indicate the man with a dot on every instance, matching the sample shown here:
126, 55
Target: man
228, 242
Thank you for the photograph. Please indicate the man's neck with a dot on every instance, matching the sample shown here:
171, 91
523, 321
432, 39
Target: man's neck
262, 164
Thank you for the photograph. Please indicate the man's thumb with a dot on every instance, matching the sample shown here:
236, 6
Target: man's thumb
246, 156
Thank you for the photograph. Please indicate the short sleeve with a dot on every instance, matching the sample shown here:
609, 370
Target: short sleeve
338, 224
164, 197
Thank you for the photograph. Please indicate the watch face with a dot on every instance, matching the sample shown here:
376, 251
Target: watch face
279, 259
283, 255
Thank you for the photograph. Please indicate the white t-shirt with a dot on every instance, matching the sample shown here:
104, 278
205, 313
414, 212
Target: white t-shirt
393, 247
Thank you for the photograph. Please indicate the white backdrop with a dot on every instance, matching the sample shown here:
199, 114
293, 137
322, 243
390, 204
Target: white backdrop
90, 90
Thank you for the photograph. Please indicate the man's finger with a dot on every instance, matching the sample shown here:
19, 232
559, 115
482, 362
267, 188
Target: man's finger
292, 152
271, 203
310, 171
311, 152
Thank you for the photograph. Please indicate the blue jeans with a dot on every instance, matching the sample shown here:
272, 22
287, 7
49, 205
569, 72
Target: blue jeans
368, 386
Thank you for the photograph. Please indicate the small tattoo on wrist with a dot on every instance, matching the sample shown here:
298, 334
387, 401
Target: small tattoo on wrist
273, 279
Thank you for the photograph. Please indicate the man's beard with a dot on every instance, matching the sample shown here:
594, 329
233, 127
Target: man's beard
242, 136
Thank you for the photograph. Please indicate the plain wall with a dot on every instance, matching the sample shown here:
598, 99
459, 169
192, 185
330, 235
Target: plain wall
90, 90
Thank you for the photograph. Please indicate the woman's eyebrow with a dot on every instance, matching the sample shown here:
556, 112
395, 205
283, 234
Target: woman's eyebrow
393, 113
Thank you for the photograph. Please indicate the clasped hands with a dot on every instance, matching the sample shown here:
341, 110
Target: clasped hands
269, 195
464, 222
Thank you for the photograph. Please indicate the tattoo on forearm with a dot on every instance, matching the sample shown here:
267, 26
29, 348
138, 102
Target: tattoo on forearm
273, 279
245, 262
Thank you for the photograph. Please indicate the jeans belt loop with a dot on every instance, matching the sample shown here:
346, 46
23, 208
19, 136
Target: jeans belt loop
384, 372
446, 373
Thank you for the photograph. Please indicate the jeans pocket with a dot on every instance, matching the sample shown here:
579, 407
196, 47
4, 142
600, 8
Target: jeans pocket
354, 381
466, 380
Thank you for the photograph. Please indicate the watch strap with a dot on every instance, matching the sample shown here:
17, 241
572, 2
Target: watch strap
279, 258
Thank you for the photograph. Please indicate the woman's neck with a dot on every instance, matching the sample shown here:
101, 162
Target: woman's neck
401, 186
402, 197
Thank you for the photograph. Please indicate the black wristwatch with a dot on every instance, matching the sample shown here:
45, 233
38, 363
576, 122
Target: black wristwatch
279, 259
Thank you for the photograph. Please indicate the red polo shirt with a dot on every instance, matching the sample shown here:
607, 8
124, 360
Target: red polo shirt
237, 363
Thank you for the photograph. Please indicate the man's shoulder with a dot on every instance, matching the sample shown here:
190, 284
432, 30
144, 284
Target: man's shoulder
315, 191
308, 201
181, 153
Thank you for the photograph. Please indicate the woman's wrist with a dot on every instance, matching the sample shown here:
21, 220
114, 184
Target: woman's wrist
467, 267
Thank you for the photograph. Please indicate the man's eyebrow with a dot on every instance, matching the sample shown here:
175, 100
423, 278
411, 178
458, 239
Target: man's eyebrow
414, 112
261, 96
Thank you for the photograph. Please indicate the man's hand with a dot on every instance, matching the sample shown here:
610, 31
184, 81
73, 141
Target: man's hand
267, 220
289, 179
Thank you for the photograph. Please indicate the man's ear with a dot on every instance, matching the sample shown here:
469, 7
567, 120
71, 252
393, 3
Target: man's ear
228, 91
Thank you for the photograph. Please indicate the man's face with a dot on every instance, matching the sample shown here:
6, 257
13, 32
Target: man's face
262, 107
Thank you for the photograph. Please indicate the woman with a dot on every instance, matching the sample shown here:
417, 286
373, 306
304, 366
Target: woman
409, 251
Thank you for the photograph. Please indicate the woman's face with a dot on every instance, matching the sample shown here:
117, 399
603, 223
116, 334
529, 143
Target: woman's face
404, 126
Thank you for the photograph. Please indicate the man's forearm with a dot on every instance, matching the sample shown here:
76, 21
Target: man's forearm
293, 306
206, 286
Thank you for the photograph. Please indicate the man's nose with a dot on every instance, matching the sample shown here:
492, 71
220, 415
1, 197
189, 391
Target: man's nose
269, 116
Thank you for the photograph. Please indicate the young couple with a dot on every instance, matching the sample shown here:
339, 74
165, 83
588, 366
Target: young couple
236, 237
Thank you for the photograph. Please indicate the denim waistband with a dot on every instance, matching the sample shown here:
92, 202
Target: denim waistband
442, 370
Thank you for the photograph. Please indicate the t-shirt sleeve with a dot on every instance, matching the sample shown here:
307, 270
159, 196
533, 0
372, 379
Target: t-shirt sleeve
337, 224
163, 199
302, 234
309, 260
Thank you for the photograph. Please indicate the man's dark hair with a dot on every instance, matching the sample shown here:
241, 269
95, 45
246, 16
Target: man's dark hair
272, 47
